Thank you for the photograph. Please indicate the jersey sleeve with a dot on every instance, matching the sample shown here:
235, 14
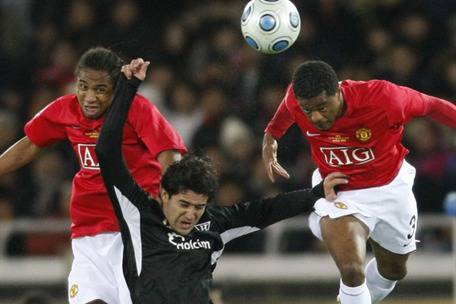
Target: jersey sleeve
403, 104
243, 218
282, 119
153, 128
43, 129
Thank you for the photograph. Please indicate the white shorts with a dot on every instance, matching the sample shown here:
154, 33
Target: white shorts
96, 272
388, 211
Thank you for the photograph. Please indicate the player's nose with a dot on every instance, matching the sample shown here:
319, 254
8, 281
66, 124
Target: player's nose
191, 214
316, 117
90, 96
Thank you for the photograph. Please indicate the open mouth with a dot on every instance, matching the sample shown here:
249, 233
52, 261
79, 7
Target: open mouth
186, 225
91, 110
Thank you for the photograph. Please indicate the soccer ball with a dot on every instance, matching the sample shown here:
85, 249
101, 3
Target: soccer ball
270, 26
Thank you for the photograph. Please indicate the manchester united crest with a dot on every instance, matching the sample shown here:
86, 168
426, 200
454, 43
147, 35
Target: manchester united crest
74, 290
363, 134
340, 205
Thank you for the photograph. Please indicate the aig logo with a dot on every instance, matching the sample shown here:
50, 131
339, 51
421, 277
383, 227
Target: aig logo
88, 157
344, 156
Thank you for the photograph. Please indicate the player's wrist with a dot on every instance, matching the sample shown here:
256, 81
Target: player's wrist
134, 81
318, 191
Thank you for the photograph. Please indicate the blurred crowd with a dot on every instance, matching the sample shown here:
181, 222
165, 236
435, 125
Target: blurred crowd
217, 91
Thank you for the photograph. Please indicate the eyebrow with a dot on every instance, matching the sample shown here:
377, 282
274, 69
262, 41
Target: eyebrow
98, 85
193, 204
318, 105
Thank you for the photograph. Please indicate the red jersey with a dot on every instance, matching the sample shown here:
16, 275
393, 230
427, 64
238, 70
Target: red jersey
365, 143
146, 134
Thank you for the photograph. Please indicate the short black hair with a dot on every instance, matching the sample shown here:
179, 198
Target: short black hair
193, 172
100, 59
313, 78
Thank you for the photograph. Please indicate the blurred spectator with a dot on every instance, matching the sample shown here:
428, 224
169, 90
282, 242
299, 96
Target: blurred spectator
6, 205
60, 72
9, 128
36, 297
158, 84
214, 103
434, 160
48, 174
183, 112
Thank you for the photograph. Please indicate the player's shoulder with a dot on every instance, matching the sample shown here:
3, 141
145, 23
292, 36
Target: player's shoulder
366, 85
142, 103
65, 101
366, 92
141, 100
143, 108
61, 105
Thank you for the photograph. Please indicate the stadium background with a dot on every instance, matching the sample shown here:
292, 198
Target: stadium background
219, 94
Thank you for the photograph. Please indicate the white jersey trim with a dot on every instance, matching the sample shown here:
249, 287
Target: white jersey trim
132, 217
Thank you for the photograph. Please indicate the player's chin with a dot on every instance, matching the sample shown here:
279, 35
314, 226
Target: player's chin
185, 229
92, 115
323, 127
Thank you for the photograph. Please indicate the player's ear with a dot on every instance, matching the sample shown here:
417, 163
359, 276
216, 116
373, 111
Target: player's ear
164, 196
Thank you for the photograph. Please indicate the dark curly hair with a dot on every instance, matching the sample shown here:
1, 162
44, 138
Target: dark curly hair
313, 78
100, 59
193, 172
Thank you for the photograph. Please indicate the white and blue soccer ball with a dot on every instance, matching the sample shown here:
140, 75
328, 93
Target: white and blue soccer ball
270, 26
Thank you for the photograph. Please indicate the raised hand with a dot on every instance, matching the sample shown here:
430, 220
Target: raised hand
270, 162
331, 181
136, 68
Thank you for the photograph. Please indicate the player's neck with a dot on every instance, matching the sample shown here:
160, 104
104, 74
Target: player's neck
342, 107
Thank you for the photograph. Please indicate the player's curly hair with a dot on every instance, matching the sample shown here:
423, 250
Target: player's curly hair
101, 59
313, 78
193, 172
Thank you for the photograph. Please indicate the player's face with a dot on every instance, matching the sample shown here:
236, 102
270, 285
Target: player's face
183, 210
323, 110
94, 91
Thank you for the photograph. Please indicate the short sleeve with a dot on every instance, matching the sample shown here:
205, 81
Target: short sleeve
283, 119
401, 103
43, 129
153, 128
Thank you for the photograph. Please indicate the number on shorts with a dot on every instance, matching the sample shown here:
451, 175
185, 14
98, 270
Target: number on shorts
412, 224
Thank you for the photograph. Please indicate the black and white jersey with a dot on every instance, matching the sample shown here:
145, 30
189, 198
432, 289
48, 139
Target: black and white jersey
160, 265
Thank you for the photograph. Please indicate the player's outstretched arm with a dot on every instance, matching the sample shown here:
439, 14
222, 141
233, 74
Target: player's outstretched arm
270, 162
443, 111
109, 146
18, 155
259, 214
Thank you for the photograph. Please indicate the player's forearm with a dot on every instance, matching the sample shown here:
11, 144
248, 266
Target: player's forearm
443, 111
18, 155
289, 204
285, 205
110, 140
268, 139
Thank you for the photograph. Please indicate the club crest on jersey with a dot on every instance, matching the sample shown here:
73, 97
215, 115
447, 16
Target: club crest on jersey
203, 226
74, 290
340, 205
363, 134
92, 134
87, 157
